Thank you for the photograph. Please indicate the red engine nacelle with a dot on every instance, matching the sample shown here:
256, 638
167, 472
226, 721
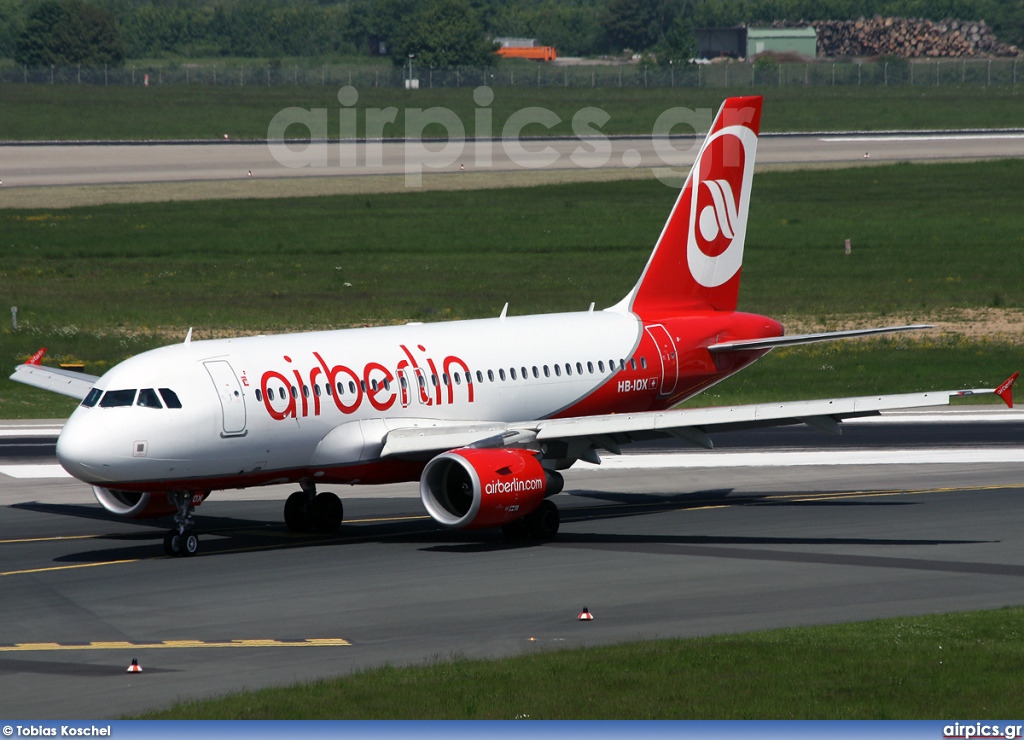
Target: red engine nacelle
477, 488
138, 505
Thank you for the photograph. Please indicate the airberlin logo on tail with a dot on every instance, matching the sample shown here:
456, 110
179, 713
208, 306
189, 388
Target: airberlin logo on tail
719, 202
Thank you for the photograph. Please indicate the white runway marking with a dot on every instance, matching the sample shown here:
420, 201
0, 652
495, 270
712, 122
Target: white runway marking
33, 471
785, 459
30, 430
926, 137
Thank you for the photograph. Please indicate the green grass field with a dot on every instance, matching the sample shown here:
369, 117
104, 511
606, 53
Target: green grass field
53, 112
98, 284
936, 667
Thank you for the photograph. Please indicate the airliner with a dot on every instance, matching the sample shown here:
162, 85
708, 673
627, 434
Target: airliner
483, 413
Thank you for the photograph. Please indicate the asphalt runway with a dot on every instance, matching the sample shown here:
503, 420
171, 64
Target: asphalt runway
676, 550
98, 164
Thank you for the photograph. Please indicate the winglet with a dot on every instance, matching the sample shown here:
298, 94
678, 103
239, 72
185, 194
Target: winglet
37, 358
188, 337
1005, 390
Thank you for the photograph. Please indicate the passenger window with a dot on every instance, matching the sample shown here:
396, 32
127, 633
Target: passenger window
600, 366
305, 390
352, 387
547, 372
501, 373
643, 362
433, 379
327, 388
590, 368
112, 399
632, 363
282, 392
490, 375
259, 396
568, 369
316, 390
148, 399
270, 394
458, 379
92, 397
362, 386
479, 377
512, 373
295, 392
403, 382
525, 374
558, 371
535, 373
445, 379
170, 398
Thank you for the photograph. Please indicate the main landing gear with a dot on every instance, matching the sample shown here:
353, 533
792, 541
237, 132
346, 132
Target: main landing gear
309, 511
541, 525
182, 540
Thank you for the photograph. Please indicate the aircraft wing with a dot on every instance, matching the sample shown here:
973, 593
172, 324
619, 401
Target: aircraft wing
584, 435
65, 382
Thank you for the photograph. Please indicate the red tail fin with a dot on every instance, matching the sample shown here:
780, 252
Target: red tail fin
696, 262
37, 358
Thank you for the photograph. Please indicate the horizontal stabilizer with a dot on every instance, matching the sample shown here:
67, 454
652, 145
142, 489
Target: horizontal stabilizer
794, 339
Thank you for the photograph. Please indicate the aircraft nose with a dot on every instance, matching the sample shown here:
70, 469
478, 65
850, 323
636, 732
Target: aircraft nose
80, 450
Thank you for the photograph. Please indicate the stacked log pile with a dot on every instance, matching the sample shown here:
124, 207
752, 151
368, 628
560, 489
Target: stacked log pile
905, 37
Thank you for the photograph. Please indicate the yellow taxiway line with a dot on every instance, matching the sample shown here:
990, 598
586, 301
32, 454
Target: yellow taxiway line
25, 647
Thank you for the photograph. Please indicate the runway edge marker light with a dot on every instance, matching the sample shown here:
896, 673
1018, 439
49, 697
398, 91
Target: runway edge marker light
135, 667
585, 615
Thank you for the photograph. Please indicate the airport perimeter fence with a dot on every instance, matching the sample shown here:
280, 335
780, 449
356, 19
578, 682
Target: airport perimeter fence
818, 73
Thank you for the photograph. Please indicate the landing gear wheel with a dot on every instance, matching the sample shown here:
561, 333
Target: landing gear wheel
189, 544
172, 543
515, 531
296, 512
327, 513
543, 523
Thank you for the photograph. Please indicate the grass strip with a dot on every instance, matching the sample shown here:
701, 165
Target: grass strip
98, 284
76, 112
933, 667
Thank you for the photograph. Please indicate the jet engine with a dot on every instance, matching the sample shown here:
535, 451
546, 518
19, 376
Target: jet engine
136, 504
478, 488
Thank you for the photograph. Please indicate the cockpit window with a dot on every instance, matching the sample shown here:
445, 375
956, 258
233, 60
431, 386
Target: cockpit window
148, 398
92, 397
112, 399
170, 398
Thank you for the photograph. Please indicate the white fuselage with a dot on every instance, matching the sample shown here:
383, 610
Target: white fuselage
258, 409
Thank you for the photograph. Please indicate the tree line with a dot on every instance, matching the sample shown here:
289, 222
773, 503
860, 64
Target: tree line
441, 33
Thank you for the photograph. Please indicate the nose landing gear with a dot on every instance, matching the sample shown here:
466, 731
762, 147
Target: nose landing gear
182, 540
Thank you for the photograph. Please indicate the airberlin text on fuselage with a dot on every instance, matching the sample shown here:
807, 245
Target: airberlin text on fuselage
375, 383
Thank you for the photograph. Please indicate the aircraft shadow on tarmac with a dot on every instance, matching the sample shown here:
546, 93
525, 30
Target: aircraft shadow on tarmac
223, 535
